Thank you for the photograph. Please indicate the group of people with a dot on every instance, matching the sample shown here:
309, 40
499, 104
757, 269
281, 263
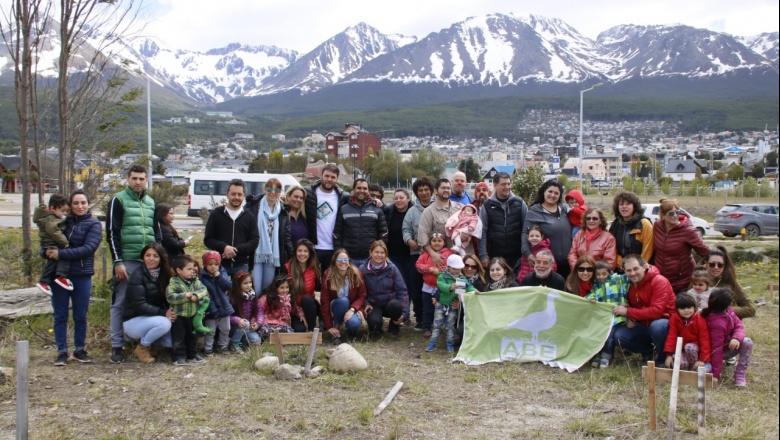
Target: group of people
269, 253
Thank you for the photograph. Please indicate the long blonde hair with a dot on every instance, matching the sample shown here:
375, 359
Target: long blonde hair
290, 189
336, 282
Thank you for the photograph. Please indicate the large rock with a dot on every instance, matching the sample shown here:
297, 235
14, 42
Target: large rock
288, 372
267, 363
345, 358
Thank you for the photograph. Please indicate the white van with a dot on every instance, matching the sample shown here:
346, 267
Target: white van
209, 188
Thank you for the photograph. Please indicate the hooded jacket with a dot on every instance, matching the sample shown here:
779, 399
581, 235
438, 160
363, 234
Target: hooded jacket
650, 299
219, 304
673, 251
575, 214
723, 327
50, 227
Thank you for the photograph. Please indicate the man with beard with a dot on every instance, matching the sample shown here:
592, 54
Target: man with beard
232, 231
358, 224
543, 275
433, 219
323, 202
459, 193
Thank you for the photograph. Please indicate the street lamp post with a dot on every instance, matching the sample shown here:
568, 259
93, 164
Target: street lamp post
582, 93
149, 127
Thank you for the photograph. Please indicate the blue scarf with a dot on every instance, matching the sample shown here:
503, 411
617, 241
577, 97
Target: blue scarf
268, 252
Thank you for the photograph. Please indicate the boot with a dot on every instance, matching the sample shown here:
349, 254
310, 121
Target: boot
143, 354
739, 374
197, 320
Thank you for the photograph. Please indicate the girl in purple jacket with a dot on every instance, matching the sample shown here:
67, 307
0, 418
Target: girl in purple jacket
727, 335
245, 321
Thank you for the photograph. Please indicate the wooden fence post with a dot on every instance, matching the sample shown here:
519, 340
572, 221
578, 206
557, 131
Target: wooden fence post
22, 364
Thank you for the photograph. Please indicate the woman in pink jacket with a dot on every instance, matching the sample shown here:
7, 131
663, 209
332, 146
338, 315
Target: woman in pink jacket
593, 240
673, 239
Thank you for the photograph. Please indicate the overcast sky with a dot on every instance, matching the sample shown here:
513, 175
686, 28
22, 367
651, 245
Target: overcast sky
303, 24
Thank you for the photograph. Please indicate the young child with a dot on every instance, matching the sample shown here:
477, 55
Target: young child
577, 208
450, 282
500, 275
216, 280
51, 231
183, 293
538, 242
276, 307
727, 335
430, 273
700, 288
692, 327
611, 289
245, 312
464, 221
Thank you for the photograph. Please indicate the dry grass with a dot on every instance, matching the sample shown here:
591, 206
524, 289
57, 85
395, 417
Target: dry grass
226, 398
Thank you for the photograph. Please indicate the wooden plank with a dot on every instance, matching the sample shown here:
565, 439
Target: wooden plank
672, 421
651, 375
276, 339
389, 398
687, 378
22, 382
296, 338
312, 349
701, 401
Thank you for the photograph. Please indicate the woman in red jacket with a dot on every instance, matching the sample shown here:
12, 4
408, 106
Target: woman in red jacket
673, 239
304, 272
342, 297
593, 239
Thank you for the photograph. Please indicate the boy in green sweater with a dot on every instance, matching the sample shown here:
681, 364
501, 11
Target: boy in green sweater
450, 283
183, 293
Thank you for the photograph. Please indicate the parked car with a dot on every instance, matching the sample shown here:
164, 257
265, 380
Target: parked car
53, 189
652, 210
757, 219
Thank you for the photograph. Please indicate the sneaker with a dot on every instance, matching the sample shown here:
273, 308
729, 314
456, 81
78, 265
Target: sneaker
196, 360
44, 288
62, 359
179, 362
450, 347
64, 283
418, 327
81, 356
117, 355
236, 347
604, 363
594, 363
731, 361
221, 350
337, 341
740, 382
208, 353
431, 346
427, 333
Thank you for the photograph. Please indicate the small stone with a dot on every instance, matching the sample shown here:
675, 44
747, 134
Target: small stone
314, 372
204, 395
189, 376
288, 372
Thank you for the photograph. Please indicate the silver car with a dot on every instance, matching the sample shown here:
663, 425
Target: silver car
757, 219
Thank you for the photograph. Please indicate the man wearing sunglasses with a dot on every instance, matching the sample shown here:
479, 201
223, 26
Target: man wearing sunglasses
359, 223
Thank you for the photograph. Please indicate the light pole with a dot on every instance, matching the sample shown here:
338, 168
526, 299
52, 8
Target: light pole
149, 127
582, 93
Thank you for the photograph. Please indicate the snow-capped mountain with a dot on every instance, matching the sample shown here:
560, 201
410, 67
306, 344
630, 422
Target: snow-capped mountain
330, 62
764, 44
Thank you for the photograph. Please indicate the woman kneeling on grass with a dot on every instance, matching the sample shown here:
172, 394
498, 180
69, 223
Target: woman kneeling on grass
343, 295
147, 315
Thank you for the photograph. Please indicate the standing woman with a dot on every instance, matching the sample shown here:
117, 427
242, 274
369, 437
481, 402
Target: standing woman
673, 239
294, 198
550, 214
84, 235
398, 251
343, 296
173, 244
146, 314
593, 239
386, 292
304, 273
723, 274
273, 225
632, 231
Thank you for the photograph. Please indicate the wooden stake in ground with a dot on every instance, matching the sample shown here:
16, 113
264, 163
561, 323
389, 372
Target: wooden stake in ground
673, 390
388, 399
22, 362
312, 349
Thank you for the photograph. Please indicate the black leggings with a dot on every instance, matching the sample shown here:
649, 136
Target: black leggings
393, 310
311, 309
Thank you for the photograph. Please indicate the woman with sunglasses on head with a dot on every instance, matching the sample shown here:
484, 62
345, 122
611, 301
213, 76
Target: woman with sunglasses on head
721, 269
593, 239
674, 236
580, 280
342, 297
273, 224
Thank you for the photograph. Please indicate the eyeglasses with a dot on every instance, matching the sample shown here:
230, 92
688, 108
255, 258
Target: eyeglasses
586, 269
717, 265
593, 219
273, 190
470, 266
342, 260
673, 213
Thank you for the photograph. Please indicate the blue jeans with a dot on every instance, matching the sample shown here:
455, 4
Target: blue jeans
117, 304
149, 330
444, 315
338, 308
61, 300
262, 275
253, 338
641, 338
609, 347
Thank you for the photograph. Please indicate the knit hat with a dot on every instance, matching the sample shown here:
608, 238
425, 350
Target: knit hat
455, 262
481, 185
211, 255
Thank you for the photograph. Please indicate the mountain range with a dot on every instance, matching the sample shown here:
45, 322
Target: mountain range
488, 55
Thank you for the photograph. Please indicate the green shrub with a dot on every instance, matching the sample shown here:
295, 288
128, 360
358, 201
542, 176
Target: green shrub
739, 257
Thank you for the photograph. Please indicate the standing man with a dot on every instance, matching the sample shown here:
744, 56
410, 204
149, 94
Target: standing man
232, 230
459, 193
323, 201
358, 224
130, 226
650, 304
502, 218
423, 190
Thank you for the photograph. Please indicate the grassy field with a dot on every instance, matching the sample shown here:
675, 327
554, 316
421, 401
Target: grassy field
226, 398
